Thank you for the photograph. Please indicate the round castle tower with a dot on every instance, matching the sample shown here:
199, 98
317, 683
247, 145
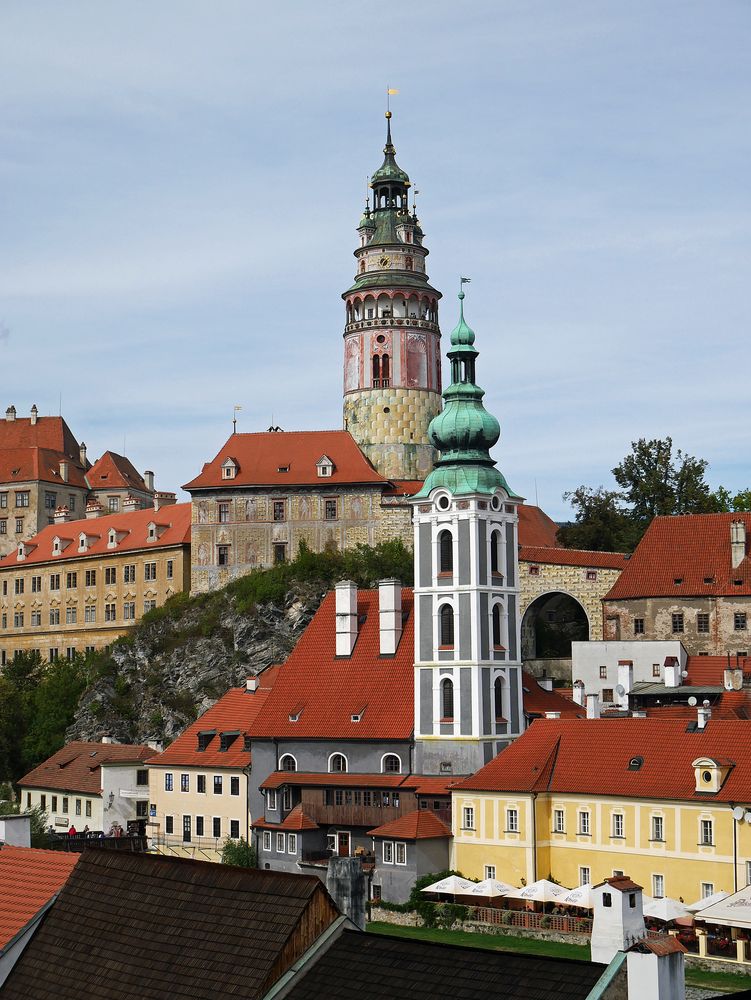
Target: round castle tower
392, 359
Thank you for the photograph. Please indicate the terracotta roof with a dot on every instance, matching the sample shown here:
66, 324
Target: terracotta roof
552, 755
141, 925
295, 820
573, 557
711, 670
691, 548
328, 690
29, 878
421, 824
175, 520
432, 785
260, 457
536, 700
113, 471
76, 767
48, 432
403, 487
234, 712
25, 465
535, 527
623, 883
665, 945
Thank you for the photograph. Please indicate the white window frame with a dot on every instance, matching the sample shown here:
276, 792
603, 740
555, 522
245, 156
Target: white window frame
345, 769
400, 850
490, 871
280, 843
559, 820
706, 826
291, 843
658, 826
584, 821
292, 758
585, 874
388, 852
383, 763
658, 882
706, 890
271, 803
619, 826
468, 818
267, 840
512, 820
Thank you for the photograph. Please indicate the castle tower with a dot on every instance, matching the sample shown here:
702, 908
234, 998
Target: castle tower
392, 361
468, 694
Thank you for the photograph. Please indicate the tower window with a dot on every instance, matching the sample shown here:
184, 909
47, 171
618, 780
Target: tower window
408, 262
495, 553
385, 372
447, 700
447, 626
498, 699
445, 552
376, 371
497, 642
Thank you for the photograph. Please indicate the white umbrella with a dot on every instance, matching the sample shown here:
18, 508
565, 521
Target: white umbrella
664, 908
542, 891
701, 904
580, 896
490, 888
454, 885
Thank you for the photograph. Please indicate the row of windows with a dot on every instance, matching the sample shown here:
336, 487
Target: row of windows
446, 630
89, 577
79, 804
391, 763
284, 844
678, 623
447, 700
21, 497
197, 825
446, 553
71, 614
218, 783
279, 510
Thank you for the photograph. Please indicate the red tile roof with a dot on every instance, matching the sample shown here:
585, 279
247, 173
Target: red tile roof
260, 457
432, 785
235, 711
24, 465
691, 548
76, 767
535, 527
421, 824
404, 487
113, 471
331, 689
48, 432
295, 820
133, 525
556, 755
711, 670
573, 557
29, 878
537, 700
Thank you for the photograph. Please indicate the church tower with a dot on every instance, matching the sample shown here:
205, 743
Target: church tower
392, 360
468, 694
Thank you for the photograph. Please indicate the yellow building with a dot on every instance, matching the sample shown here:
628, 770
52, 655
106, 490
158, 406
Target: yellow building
583, 799
78, 585
198, 786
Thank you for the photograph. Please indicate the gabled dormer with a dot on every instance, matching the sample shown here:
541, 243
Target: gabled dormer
24, 549
59, 545
230, 468
85, 541
114, 537
710, 773
154, 531
325, 467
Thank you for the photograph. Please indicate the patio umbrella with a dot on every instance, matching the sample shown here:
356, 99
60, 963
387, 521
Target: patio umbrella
702, 904
454, 885
542, 891
664, 909
581, 896
490, 888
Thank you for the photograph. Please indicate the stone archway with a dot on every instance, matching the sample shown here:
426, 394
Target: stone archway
550, 624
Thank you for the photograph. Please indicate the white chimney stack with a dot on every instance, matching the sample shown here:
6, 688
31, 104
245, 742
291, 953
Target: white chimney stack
737, 542
732, 679
390, 615
148, 478
546, 683
625, 681
578, 692
617, 917
552, 715
593, 706
672, 672
251, 684
34, 415
64, 469
346, 617
93, 509
62, 514
164, 499
703, 715
655, 970
10, 414
131, 503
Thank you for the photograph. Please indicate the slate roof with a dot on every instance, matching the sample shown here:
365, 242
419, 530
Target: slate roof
571, 557
28, 879
133, 525
260, 456
691, 548
382, 967
553, 755
234, 712
420, 824
77, 766
113, 471
156, 928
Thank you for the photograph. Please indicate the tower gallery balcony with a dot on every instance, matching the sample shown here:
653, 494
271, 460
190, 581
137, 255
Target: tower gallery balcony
391, 321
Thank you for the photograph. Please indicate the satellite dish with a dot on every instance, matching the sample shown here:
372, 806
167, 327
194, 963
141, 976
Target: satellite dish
684, 673
705, 703
748, 817
620, 690
738, 813
692, 701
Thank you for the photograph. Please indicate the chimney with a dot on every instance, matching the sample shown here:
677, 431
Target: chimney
625, 681
346, 883
148, 478
578, 692
617, 917
546, 683
62, 514
10, 414
639, 713
390, 615
131, 503
703, 715
732, 679
82, 454
346, 617
737, 542
164, 499
34, 415
64, 469
93, 509
106, 738
251, 684
672, 672
655, 969
593, 706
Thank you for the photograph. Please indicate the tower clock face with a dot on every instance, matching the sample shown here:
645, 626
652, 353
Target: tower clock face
384, 261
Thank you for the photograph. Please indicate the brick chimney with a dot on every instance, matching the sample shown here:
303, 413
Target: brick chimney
737, 542
390, 615
34, 415
10, 414
62, 514
346, 617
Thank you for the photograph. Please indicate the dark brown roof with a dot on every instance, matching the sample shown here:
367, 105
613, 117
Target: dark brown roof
138, 925
382, 967
76, 767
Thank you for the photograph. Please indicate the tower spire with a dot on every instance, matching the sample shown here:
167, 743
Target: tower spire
389, 147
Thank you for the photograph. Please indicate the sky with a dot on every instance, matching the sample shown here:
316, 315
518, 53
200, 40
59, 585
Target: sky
180, 182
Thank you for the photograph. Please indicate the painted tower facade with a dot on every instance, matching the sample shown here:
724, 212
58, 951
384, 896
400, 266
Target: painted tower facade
468, 693
392, 360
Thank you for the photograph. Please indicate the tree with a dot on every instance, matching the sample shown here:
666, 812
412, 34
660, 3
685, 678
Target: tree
657, 482
239, 852
724, 500
602, 524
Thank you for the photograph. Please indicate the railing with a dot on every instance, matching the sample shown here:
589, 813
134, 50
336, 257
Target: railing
531, 921
79, 842
359, 324
321, 857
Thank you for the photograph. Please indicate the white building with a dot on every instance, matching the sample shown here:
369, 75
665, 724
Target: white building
611, 669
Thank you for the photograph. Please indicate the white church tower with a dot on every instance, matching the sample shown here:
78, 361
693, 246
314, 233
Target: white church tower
468, 695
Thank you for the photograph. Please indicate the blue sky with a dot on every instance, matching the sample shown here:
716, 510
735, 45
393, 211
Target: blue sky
180, 182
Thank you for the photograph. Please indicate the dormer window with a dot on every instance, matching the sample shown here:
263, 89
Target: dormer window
294, 715
324, 467
229, 468
227, 739
154, 531
59, 545
21, 552
86, 541
204, 738
710, 774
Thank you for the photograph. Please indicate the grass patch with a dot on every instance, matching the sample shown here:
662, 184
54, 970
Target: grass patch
721, 981
493, 942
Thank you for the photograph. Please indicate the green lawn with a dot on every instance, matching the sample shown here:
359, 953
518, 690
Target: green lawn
720, 981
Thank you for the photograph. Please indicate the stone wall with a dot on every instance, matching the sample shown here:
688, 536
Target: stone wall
391, 427
657, 616
553, 578
412, 919
39, 512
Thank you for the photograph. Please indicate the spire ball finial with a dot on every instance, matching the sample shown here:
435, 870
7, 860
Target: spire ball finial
388, 114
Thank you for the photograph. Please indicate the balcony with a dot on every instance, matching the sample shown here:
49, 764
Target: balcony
392, 321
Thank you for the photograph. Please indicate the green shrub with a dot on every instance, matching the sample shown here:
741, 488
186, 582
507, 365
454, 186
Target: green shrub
428, 912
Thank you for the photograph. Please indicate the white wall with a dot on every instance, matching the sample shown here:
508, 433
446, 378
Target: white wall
15, 830
120, 793
588, 657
